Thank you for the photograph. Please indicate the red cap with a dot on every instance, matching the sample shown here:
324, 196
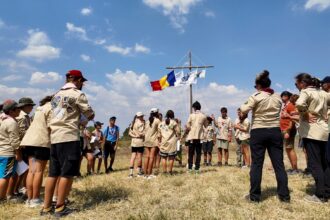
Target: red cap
76, 73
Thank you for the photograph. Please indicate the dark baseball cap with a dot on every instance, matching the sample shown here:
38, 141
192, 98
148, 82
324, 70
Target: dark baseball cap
326, 80
77, 74
25, 101
98, 123
113, 118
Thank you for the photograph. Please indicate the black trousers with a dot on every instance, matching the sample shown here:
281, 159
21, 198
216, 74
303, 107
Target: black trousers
195, 146
316, 154
272, 140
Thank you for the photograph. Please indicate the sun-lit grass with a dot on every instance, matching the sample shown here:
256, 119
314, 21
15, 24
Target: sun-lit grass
217, 193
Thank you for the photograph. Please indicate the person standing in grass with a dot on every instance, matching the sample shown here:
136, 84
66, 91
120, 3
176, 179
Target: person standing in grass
242, 127
169, 133
111, 136
9, 146
38, 150
266, 135
88, 151
313, 104
151, 141
197, 121
137, 133
224, 135
289, 131
98, 134
326, 87
239, 154
67, 106
209, 137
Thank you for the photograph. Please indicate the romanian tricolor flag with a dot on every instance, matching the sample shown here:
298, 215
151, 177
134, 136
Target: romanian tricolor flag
165, 81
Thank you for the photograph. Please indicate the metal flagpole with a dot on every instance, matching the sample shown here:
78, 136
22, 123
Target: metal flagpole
190, 67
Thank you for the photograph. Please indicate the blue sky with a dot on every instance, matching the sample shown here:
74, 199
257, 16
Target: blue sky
122, 45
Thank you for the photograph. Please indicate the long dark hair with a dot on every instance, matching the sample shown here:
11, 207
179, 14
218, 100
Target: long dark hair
133, 122
243, 117
169, 116
152, 117
46, 99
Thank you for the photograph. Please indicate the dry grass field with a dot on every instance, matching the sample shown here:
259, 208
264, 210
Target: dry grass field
217, 193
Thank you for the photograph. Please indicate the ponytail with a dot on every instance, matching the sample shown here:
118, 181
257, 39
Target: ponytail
133, 122
169, 116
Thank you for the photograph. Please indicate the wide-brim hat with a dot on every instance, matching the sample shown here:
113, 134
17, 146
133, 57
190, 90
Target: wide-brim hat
25, 101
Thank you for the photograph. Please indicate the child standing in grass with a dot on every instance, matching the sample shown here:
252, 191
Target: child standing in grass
98, 134
137, 133
224, 135
242, 127
209, 135
9, 145
151, 142
169, 134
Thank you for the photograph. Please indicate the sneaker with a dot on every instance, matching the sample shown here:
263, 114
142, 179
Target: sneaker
141, 174
284, 200
245, 167
226, 164
293, 172
44, 212
63, 212
193, 166
130, 176
111, 170
33, 203
27, 203
314, 199
22, 190
219, 164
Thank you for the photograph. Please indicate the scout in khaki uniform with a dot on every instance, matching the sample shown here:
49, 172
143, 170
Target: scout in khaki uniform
137, 133
326, 87
9, 146
151, 141
196, 124
169, 133
24, 122
36, 142
266, 135
224, 135
67, 106
209, 137
313, 105
242, 135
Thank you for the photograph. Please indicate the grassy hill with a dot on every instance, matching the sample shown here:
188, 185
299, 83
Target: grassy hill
217, 193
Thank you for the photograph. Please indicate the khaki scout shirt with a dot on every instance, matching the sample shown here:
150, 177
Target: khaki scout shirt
196, 123
169, 135
266, 109
209, 133
151, 133
224, 126
38, 134
316, 102
9, 136
243, 135
137, 133
24, 122
67, 106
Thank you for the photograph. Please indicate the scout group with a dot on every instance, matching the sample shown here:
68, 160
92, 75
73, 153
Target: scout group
53, 135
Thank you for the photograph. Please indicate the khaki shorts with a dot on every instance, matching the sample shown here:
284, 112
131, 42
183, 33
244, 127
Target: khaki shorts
223, 144
289, 143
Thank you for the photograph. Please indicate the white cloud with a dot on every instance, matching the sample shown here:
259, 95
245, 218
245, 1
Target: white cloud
86, 11
176, 10
125, 51
85, 58
118, 49
44, 78
141, 49
279, 85
38, 47
2, 23
209, 14
100, 41
319, 5
16, 66
16, 93
12, 77
76, 31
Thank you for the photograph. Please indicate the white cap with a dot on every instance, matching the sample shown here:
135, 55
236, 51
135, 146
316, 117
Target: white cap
139, 114
154, 110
